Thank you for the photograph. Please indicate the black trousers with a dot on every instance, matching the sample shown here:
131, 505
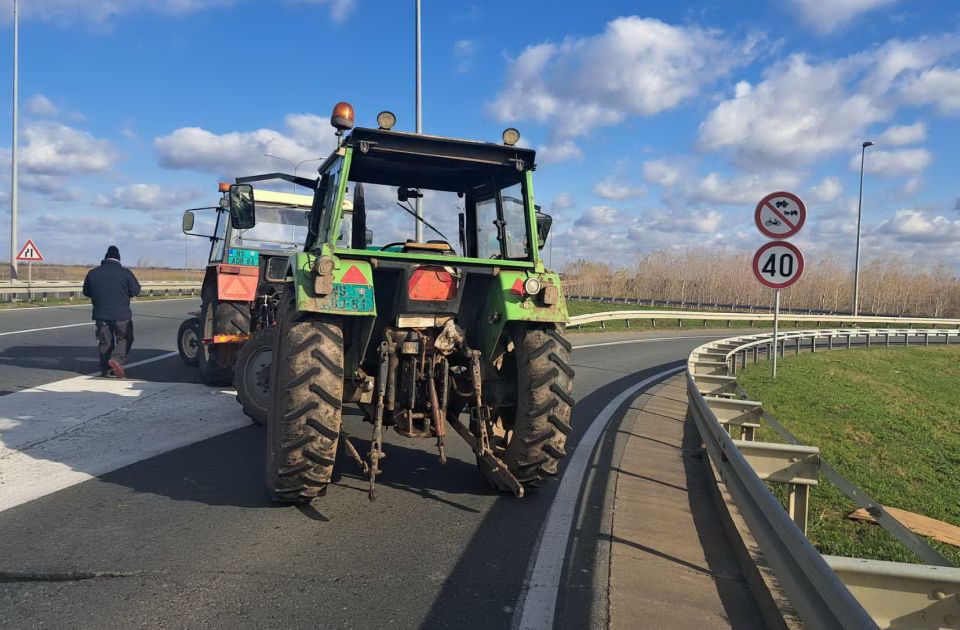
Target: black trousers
114, 339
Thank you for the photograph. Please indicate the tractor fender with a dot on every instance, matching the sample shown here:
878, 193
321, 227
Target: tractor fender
506, 303
347, 290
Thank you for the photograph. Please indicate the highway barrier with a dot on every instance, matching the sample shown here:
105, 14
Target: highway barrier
825, 591
68, 290
754, 318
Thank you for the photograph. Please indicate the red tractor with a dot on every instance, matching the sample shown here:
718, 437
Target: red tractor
231, 338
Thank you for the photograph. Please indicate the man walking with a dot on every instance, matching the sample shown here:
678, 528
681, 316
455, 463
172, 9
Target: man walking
110, 287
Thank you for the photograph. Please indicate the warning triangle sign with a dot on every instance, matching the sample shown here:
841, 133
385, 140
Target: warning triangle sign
30, 252
354, 276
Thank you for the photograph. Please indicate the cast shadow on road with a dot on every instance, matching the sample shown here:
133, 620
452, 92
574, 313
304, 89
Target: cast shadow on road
82, 360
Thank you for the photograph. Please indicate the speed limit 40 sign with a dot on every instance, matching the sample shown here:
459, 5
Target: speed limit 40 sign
778, 264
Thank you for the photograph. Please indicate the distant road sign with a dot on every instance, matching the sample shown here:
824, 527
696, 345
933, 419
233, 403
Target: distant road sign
778, 264
29, 252
780, 215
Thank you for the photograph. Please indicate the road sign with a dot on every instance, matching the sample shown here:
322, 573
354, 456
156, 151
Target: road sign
780, 215
29, 252
778, 264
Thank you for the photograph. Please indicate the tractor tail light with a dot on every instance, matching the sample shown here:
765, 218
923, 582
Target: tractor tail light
431, 284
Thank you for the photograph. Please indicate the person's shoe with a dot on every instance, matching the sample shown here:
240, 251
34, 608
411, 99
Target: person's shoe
116, 368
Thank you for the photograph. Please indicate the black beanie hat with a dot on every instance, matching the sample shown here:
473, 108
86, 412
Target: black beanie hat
113, 252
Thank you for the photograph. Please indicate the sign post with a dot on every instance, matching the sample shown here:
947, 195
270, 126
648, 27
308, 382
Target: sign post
29, 253
778, 264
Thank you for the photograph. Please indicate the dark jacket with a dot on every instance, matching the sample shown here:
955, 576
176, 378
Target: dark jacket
110, 287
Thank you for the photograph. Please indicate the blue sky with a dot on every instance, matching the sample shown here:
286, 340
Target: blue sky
658, 125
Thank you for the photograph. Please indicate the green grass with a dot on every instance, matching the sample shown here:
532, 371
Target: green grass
888, 420
77, 301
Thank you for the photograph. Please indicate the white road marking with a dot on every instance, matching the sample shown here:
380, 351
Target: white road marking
60, 434
539, 598
647, 340
31, 330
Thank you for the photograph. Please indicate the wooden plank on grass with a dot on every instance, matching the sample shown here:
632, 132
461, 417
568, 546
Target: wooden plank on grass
923, 525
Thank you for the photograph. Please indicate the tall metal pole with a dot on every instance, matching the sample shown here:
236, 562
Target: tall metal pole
419, 201
856, 267
13, 150
776, 329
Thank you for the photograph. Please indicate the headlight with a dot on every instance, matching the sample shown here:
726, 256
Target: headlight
510, 136
532, 286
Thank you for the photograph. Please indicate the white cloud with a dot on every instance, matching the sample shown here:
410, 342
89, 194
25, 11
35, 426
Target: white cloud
614, 188
904, 134
241, 153
825, 16
914, 226
559, 152
598, 216
706, 222
828, 189
40, 106
340, 10
146, 197
893, 163
564, 201
802, 111
937, 86
636, 67
52, 148
464, 51
661, 172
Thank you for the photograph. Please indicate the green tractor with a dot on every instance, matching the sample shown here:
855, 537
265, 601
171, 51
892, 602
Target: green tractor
423, 334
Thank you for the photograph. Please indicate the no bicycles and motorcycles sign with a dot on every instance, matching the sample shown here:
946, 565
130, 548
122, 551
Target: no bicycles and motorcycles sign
780, 215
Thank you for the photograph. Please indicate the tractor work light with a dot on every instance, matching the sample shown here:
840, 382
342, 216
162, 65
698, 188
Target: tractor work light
510, 136
343, 116
532, 286
386, 120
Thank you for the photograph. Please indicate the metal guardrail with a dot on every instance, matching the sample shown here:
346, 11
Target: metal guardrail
719, 306
827, 591
65, 289
706, 316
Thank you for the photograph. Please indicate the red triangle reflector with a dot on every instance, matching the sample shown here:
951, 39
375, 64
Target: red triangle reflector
354, 276
517, 287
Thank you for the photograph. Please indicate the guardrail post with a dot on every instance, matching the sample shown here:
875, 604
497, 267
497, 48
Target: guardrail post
849, 340
886, 339
798, 346
756, 354
603, 325
926, 339
679, 323
869, 337
627, 322
783, 348
798, 504
813, 344
830, 342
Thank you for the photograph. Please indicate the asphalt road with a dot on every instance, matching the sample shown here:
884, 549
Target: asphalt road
189, 539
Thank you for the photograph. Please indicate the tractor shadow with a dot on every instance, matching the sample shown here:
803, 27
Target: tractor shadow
29, 365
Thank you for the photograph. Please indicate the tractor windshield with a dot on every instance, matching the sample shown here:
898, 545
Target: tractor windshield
278, 227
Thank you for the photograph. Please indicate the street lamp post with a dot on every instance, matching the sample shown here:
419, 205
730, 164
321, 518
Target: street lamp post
418, 200
856, 267
13, 146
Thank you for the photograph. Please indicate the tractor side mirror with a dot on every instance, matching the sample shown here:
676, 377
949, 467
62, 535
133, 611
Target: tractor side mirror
187, 223
544, 223
243, 213
405, 194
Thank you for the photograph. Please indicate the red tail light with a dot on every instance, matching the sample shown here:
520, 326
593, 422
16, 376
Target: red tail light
432, 284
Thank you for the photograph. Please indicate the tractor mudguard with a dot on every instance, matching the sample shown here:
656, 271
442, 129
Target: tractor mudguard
506, 302
347, 288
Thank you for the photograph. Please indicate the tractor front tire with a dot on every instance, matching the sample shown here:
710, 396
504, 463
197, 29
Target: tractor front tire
226, 318
544, 402
188, 341
306, 393
251, 374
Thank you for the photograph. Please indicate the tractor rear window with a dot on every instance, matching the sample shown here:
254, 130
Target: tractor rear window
278, 227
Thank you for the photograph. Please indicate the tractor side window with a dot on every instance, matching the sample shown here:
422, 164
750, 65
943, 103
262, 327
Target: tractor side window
515, 220
488, 238
330, 197
216, 252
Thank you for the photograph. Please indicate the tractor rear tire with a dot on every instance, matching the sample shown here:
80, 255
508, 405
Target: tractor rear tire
188, 341
544, 402
225, 318
251, 374
306, 393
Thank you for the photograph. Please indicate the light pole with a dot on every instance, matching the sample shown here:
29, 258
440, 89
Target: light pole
418, 200
856, 266
13, 147
290, 162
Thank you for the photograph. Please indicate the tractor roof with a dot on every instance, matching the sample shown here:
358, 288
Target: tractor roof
434, 162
